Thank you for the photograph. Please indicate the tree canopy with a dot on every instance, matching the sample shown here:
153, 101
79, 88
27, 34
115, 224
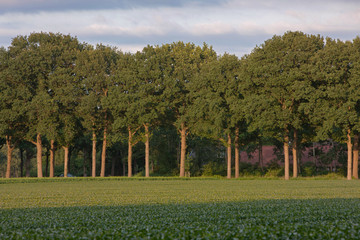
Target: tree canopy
295, 88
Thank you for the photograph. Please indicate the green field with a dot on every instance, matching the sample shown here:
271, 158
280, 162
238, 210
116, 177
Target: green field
118, 208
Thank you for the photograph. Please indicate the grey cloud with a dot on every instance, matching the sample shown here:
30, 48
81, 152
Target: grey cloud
233, 43
30, 6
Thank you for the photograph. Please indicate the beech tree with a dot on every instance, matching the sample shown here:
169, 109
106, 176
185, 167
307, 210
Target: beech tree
213, 94
65, 90
30, 68
123, 101
11, 112
96, 69
355, 75
336, 100
150, 106
276, 83
185, 63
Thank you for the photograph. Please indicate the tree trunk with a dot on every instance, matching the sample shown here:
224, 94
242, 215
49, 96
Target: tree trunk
356, 157
286, 155
27, 163
10, 149
183, 150
294, 150
66, 160
228, 156
93, 169
103, 155
261, 160
21, 162
124, 167
39, 156
47, 163
52, 158
113, 163
237, 154
85, 154
349, 148
147, 150
130, 154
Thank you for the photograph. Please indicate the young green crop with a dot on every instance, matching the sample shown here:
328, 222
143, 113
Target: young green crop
177, 209
263, 219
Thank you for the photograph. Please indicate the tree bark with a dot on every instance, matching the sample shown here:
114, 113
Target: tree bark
147, 150
39, 155
21, 162
228, 155
10, 149
183, 150
130, 153
349, 148
294, 150
237, 154
103, 155
27, 163
124, 167
47, 163
93, 169
286, 156
85, 154
52, 158
113, 163
356, 157
66, 160
261, 158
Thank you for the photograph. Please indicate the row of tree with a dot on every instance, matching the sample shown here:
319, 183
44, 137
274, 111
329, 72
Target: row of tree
295, 88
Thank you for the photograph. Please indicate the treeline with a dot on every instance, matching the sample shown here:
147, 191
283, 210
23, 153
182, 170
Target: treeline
294, 89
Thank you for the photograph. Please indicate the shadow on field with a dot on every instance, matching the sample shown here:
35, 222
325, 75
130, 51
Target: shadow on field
270, 219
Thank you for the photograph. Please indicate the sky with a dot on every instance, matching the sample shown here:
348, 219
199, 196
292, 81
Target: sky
231, 26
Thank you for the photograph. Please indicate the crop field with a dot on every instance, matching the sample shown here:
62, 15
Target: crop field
118, 208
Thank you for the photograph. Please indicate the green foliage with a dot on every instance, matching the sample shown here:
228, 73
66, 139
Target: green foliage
309, 169
61, 89
271, 219
214, 169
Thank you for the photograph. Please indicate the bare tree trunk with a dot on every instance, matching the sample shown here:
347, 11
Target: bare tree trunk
237, 154
39, 155
228, 148
356, 157
261, 160
183, 150
294, 150
147, 150
286, 155
124, 167
47, 163
21, 162
52, 158
10, 149
66, 160
93, 169
130, 153
349, 148
85, 154
103, 155
27, 164
113, 163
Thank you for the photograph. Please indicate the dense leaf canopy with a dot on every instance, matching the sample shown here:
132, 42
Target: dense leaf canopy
54, 86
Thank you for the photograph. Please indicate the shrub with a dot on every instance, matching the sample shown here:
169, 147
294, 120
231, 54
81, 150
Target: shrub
214, 168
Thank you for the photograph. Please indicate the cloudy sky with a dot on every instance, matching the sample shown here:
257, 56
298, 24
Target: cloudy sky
233, 26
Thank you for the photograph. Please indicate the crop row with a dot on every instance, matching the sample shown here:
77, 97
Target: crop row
264, 219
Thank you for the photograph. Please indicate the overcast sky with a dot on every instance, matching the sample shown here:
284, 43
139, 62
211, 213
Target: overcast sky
233, 26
